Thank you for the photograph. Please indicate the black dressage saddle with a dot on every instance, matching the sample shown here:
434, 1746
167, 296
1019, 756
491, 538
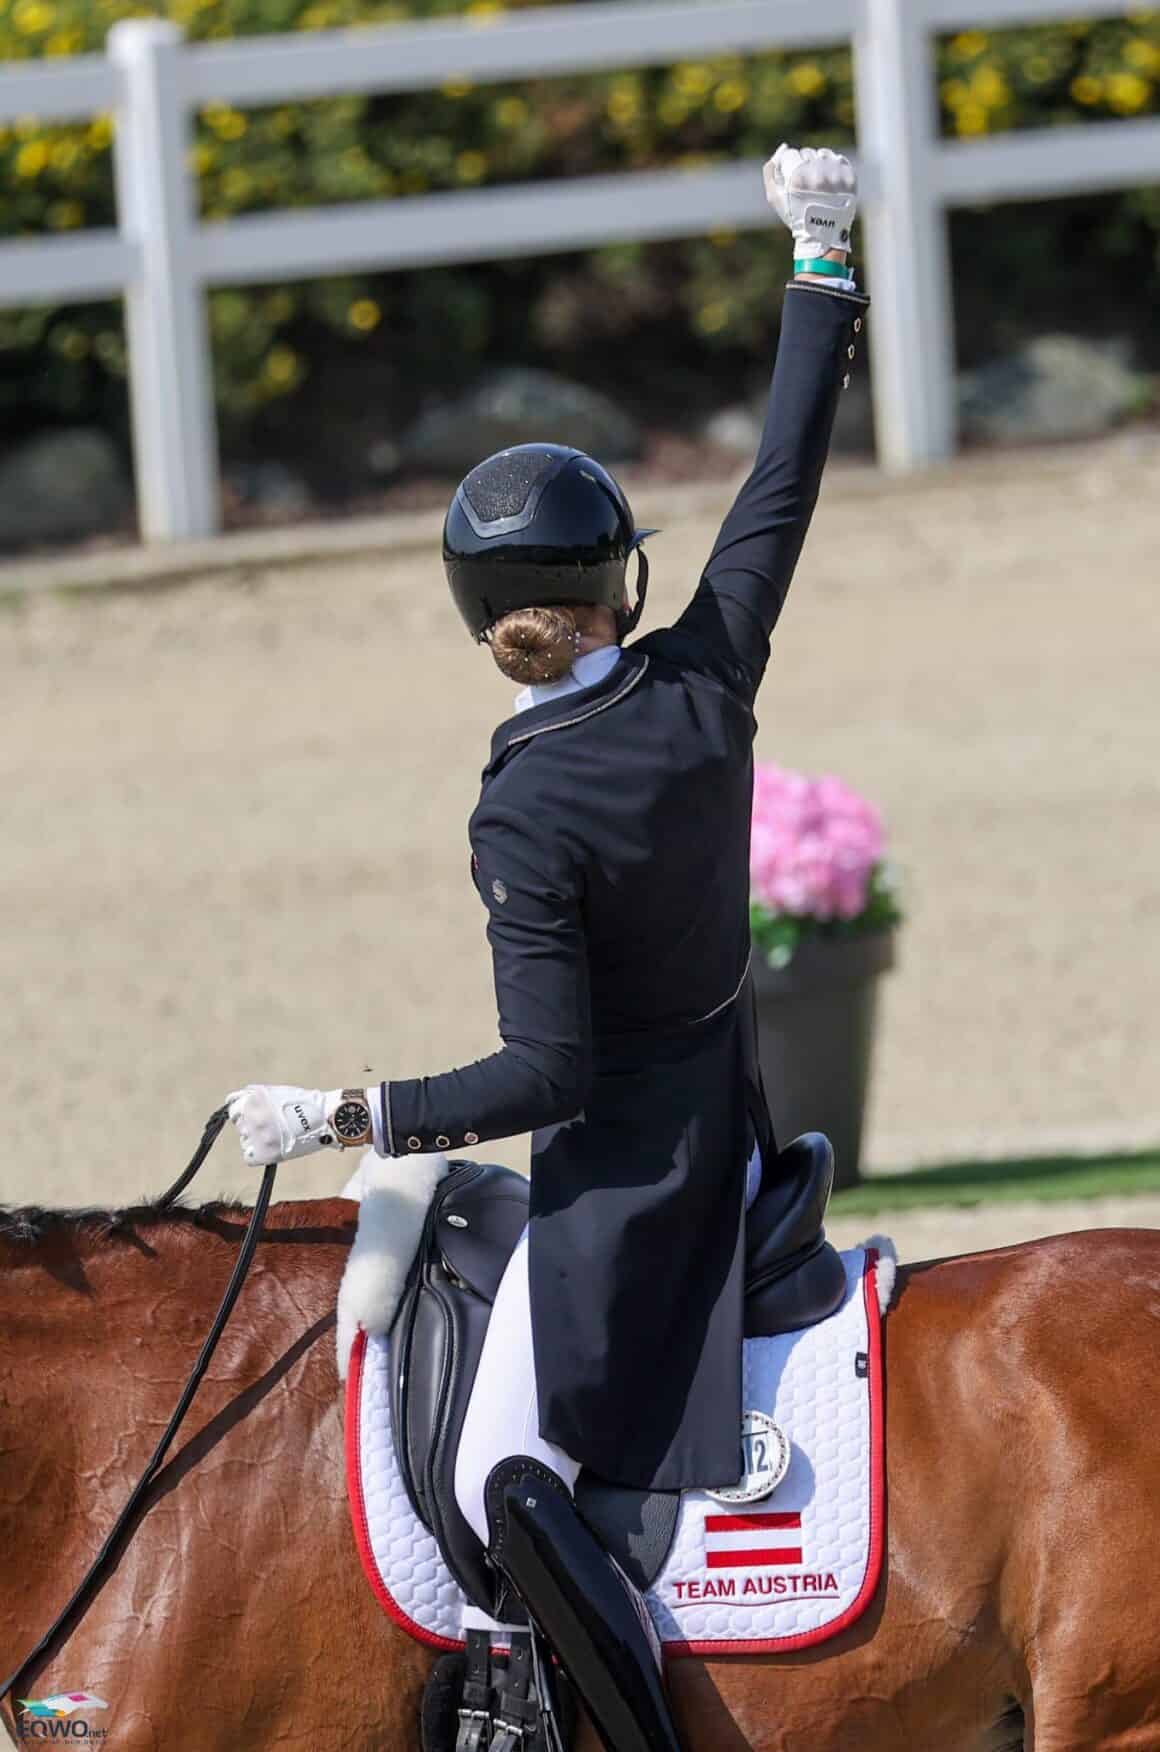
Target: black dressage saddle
794, 1278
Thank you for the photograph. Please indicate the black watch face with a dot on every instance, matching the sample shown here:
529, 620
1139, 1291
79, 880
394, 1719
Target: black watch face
352, 1119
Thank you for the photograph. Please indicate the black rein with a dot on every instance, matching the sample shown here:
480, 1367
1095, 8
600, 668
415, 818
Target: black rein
123, 1524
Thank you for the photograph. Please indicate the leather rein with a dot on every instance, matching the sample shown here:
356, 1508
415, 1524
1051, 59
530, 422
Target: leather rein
123, 1526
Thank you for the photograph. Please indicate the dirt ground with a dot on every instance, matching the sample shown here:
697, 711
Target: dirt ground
234, 824
933, 1234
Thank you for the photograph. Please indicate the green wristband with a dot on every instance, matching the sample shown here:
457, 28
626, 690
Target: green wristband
831, 270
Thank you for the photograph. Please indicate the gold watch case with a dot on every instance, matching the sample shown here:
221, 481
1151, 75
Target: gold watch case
351, 1120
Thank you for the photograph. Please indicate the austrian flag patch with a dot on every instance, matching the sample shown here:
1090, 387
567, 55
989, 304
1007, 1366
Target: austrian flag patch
757, 1543
753, 1541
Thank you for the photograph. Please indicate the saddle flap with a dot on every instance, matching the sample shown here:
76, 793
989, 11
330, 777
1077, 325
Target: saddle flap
636, 1527
475, 1220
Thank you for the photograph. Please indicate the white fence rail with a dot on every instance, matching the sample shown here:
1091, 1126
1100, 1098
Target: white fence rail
162, 259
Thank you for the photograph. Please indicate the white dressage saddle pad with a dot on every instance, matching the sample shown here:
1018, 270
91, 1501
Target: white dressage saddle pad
784, 1572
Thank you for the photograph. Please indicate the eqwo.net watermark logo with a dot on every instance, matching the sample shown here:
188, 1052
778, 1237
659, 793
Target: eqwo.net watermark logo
57, 1718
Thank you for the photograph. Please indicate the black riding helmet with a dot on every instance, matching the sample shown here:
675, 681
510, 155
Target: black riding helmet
538, 525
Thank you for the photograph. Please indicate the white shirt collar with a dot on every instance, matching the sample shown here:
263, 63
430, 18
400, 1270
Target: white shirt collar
587, 670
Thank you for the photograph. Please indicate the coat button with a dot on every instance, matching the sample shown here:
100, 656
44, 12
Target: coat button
846, 381
857, 325
441, 1142
414, 1143
851, 353
471, 1137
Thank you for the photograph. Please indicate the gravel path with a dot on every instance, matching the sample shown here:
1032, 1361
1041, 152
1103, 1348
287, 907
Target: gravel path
234, 816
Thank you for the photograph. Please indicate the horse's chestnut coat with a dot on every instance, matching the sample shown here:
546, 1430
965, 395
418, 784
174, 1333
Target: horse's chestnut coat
1022, 1507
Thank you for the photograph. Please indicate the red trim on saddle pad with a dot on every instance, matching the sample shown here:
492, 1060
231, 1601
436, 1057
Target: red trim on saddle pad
358, 1509
754, 1521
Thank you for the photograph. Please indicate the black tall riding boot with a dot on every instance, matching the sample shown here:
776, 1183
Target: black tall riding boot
582, 1603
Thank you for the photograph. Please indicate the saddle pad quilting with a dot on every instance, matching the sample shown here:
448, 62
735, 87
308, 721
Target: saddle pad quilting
401, 1559
791, 1570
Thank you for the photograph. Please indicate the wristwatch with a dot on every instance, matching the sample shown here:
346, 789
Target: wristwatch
351, 1120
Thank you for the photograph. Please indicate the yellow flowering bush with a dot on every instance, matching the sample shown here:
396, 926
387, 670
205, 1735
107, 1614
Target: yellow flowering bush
715, 293
1051, 74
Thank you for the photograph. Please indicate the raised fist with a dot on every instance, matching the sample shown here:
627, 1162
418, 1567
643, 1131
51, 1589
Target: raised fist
815, 193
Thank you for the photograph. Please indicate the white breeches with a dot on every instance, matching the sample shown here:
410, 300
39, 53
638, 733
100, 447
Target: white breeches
503, 1416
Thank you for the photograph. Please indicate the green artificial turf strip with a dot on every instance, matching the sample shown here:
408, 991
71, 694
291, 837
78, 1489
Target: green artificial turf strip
974, 1183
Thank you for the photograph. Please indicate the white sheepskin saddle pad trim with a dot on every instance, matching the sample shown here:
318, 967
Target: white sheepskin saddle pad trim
393, 1197
886, 1268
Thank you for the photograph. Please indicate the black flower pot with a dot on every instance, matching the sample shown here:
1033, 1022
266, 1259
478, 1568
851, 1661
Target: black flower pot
816, 1038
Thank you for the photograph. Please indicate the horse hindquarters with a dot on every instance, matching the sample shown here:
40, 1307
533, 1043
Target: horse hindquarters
1054, 1357
1021, 1516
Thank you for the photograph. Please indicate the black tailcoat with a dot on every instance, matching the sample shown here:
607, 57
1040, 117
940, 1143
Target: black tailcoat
611, 849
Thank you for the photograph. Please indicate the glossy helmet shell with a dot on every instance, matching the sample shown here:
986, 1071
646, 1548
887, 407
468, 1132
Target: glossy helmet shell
537, 525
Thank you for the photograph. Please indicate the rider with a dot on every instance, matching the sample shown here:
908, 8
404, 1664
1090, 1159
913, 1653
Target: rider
610, 848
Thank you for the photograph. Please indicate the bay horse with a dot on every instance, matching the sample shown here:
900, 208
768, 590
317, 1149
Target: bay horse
1020, 1598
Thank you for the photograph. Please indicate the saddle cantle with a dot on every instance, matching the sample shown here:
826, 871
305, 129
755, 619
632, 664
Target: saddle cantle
794, 1277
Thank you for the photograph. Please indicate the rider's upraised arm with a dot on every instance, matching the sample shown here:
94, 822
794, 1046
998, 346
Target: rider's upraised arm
731, 616
744, 585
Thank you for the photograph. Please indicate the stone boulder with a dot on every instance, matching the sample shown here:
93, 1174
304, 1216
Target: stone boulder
268, 489
517, 405
736, 429
1057, 386
62, 486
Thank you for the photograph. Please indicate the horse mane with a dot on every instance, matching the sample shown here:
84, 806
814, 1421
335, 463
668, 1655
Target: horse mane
27, 1225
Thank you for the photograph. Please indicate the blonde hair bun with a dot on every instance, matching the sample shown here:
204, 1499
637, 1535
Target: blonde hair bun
535, 644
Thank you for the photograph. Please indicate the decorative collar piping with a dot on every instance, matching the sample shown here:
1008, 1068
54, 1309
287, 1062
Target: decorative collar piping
571, 708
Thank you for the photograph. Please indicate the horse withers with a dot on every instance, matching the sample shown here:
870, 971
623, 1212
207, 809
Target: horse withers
1018, 1599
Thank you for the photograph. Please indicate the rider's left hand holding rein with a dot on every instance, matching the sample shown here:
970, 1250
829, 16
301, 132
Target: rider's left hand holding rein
277, 1122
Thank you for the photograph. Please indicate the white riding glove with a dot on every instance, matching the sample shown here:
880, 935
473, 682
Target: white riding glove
277, 1122
815, 192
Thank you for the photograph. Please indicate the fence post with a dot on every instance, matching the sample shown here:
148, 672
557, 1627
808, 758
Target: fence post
912, 326
170, 378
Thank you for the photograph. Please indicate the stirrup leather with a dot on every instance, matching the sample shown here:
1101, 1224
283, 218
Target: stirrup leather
511, 1704
475, 1709
517, 1713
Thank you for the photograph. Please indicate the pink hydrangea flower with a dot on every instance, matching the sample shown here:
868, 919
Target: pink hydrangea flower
815, 845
